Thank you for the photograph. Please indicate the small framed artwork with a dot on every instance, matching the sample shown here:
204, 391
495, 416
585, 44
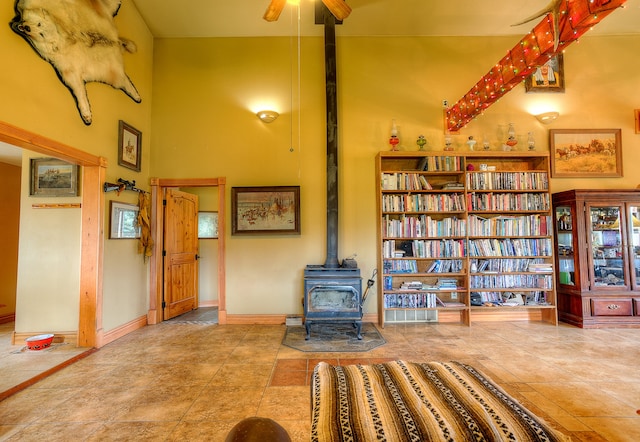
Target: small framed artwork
636, 114
207, 225
124, 221
585, 153
53, 177
265, 210
547, 78
129, 146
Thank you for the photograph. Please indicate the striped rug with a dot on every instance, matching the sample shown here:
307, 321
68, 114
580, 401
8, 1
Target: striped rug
407, 401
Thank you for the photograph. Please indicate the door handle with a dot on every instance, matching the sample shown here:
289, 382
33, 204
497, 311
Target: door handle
197, 257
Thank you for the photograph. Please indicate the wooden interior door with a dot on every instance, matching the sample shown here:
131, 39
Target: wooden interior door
180, 253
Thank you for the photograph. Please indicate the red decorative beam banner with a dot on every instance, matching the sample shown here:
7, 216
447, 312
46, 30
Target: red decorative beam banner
575, 18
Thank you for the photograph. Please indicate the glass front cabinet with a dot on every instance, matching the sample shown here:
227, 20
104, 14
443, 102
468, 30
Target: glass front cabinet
597, 235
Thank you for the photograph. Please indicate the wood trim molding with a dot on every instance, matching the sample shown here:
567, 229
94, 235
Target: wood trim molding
256, 319
158, 186
91, 272
123, 330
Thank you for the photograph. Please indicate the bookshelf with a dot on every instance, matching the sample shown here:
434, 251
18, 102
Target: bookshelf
464, 237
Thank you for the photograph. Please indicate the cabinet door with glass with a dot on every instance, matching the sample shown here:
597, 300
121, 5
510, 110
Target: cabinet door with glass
568, 270
608, 255
633, 211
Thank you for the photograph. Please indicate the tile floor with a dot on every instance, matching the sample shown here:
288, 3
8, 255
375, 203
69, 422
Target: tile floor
177, 382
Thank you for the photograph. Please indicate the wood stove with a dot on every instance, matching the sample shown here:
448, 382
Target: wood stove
332, 292
332, 295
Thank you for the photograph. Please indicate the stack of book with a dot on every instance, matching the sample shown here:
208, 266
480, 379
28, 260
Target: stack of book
447, 284
540, 267
411, 285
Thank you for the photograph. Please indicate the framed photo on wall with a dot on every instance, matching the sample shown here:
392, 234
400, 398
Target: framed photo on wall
595, 153
265, 210
129, 146
548, 77
53, 177
123, 221
207, 225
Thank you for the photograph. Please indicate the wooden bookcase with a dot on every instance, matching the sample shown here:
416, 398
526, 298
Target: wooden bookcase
464, 236
598, 256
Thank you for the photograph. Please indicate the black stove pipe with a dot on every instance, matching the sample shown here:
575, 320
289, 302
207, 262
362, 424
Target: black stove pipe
332, 139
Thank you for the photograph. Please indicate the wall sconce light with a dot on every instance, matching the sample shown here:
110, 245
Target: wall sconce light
547, 117
267, 116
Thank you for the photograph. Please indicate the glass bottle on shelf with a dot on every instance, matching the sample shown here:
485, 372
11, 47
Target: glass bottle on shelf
566, 264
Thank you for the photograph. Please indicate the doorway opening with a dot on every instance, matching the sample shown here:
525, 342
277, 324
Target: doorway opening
156, 286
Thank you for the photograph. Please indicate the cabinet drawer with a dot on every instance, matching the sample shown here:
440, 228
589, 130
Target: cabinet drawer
636, 307
612, 307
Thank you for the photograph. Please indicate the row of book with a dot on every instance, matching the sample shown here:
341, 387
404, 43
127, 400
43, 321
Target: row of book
510, 247
481, 180
443, 248
417, 300
441, 164
423, 226
511, 281
509, 298
400, 266
411, 266
509, 265
524, 225
430, 202
404, 181
508, 201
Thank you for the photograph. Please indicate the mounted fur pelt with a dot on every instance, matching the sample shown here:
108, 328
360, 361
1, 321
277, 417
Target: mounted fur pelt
80, 40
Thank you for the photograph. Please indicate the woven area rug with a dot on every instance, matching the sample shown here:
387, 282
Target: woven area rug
405, 401
330, 337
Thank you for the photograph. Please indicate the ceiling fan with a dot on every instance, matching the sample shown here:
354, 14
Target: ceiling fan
337, 7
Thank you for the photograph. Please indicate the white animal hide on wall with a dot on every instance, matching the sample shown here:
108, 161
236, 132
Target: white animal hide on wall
80, 40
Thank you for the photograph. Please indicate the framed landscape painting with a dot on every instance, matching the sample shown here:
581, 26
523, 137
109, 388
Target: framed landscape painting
585, 153
265, 210
53, 177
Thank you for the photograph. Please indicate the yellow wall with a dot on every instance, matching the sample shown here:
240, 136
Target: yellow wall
9, 228
205, 92
197, 120
35, 99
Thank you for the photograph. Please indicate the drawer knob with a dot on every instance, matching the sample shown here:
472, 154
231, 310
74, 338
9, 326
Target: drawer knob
613, 306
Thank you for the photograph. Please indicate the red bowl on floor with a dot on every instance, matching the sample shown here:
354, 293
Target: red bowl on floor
39, 342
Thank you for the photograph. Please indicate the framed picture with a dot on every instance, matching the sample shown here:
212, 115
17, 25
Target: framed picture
124, 221
53, 177
129, 146
585, 153
207, 225
265, 210
548, 77
636, 114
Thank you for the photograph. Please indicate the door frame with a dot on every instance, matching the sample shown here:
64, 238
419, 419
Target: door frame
94, 167
158, 185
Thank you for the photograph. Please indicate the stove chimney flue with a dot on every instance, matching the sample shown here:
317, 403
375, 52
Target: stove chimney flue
332, 140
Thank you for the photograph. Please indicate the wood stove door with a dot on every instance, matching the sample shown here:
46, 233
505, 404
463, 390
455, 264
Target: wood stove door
181, 253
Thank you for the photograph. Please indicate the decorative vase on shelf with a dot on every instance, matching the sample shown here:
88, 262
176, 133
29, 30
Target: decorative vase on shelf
485, 144
394, 140
421, 141
511, 141
447, 144
471, 142
531, 142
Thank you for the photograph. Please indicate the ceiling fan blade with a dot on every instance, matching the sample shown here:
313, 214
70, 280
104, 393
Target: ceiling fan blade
338, 8
274, 10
